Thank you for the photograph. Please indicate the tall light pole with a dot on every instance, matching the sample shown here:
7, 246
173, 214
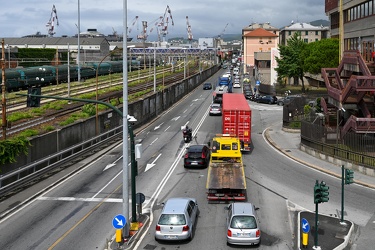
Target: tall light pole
79, 45
125, 170
3, 89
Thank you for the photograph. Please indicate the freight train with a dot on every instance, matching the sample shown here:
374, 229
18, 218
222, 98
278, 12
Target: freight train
23, 78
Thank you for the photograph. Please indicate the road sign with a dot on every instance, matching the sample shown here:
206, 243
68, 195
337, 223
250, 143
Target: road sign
119, 221
305, 225
257, 83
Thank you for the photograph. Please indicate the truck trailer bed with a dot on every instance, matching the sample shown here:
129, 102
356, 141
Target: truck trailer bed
226, 176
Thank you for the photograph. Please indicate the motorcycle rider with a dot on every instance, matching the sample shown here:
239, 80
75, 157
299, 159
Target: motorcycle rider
187, 132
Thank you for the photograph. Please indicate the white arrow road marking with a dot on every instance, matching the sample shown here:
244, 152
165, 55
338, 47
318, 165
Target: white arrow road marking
112, 164
175, 118
157, 127
152, 164
119, 222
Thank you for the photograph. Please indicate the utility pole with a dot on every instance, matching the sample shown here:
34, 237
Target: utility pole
3, 88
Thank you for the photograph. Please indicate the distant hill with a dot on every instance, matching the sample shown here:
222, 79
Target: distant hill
321, 22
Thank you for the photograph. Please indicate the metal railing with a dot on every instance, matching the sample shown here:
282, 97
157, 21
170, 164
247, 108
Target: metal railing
20, 177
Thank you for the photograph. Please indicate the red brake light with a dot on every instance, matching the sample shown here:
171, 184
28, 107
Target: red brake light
157, 228
186, 155
185, 228
258, 233
229, 233
203, 155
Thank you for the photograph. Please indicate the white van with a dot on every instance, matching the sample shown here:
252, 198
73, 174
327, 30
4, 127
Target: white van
235, 71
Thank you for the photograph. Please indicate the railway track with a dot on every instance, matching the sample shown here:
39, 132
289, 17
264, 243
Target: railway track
51, 116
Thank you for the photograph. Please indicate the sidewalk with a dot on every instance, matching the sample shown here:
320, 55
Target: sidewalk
288, 142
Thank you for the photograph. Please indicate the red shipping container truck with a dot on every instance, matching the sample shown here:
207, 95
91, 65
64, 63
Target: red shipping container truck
236, 118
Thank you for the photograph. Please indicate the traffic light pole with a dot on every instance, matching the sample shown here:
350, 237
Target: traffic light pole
316, 220
342, 193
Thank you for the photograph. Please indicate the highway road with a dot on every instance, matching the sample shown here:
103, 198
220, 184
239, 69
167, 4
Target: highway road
77, 213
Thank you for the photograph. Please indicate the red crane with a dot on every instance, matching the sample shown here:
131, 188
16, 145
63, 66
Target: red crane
164, 22
188, 29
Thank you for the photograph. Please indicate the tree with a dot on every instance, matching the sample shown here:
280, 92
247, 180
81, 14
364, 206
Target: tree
290, 63
321, 54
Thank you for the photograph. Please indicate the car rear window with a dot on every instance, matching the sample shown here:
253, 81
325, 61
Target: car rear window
243, 222
172, 219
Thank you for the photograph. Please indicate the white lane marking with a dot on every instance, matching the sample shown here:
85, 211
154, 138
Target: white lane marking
152, 164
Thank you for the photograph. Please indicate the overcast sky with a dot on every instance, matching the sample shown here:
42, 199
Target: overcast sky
207, 18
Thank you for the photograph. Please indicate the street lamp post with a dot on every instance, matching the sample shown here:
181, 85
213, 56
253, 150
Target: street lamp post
125, 172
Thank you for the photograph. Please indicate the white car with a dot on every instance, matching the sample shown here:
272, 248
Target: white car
236, 83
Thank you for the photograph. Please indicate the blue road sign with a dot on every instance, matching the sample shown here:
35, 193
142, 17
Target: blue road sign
119, 221
257, 83
305, 225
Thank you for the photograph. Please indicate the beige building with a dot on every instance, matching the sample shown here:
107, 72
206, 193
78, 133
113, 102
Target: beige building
309, 33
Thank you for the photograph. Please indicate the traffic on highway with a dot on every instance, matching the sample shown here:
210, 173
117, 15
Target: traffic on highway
75, 209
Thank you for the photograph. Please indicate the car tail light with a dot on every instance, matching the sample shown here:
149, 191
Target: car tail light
157, 228
186, 156
257, 233
229, 233
203, 155
185, 228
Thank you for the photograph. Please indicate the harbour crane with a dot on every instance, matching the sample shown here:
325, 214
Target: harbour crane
51, 23
165, 21
188, 29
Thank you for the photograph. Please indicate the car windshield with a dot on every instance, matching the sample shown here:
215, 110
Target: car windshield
243, 222
172, 219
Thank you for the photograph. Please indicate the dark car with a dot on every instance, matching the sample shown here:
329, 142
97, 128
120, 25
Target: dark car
286, 100
197, 156
207, 85
269, 99
248, 93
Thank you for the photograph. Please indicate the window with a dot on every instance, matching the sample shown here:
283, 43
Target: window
243, 222
306, 33
316, 33
172, 219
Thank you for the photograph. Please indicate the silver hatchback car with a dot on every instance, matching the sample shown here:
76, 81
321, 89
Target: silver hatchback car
242, 224
177, 219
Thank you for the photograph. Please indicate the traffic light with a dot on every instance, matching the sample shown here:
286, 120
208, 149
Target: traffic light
321, 192
317, 195
349, 175
324, 192
33, 101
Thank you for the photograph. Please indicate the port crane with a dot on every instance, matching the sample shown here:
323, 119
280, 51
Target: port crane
188, 29
167, 17
51, 23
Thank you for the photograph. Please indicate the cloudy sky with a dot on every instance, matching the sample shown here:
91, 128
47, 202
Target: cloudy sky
207, 18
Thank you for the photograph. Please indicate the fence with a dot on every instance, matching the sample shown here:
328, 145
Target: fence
352, 147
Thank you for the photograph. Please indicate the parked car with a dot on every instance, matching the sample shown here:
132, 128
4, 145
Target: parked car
242, 224
177, 219
215, 109
286, 99
207, 85
269, 99
197, 156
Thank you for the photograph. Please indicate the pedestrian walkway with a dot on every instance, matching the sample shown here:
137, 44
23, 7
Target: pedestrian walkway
288, 142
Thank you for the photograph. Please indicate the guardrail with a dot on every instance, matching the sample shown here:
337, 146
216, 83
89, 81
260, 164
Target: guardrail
20, 177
